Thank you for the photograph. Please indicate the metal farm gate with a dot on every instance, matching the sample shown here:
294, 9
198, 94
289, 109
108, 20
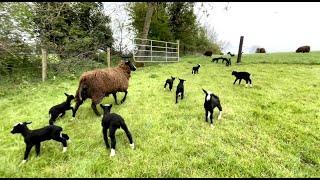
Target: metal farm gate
155, 51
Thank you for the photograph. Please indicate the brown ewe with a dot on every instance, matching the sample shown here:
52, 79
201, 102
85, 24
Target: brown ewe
98, 83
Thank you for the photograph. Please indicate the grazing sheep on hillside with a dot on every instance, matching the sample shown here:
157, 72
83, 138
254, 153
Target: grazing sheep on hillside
208, 53
195, 69
260, 50
230, 54
211, 101
98, 83
36, 136
170, 82
113, 121
180, 90
228, 60
303, 49
60, 109
242, 75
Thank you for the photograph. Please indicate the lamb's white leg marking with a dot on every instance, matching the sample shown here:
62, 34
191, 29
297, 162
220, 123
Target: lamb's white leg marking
220, 114
164, 89
246, 85
64, 149
208, 115
101, 116
23, 161
211, 125
179, 94
131, 145
250, 85
113, 152
72, 118
171, 90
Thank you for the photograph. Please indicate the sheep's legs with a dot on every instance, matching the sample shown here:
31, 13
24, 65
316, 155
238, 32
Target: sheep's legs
75, 109
63, 141
235, 81
113, 141
240, 81
38, 149
115, 97
182, 95
26, 153
126, 130
207, 116
211, 115
125, 96
94, 107
105, 136
165, 85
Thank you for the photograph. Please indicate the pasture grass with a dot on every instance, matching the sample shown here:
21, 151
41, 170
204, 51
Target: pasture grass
269, 130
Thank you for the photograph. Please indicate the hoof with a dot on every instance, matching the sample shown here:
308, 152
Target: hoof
132, 145
113, 152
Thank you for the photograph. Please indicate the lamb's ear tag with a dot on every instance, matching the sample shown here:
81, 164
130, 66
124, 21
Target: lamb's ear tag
28, 122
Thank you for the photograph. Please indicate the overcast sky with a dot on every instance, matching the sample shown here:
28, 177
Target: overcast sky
275, 26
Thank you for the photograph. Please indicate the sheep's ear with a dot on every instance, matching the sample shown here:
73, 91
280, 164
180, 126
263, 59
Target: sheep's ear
110, 106
28, 122
204, 91
101, 106
66, 94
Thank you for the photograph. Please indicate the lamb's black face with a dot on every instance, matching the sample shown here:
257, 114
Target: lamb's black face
69, 97
132, 67
106, 107
173, 78
233, 72
19, 127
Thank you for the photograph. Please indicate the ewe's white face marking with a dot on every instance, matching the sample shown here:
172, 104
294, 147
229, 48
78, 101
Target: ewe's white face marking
132, 145
107, 105
220, 114
113, 152
64, 149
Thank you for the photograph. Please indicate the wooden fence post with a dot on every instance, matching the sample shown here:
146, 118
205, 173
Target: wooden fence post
108, 57
44, 64
240, 50
178, 41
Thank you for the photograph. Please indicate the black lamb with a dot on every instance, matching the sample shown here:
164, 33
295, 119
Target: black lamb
242, 75
113, 122
195, 69
180, 90
170, 83
211, 101
36, 136
60, 109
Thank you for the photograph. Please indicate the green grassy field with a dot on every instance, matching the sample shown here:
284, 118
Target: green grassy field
269, 130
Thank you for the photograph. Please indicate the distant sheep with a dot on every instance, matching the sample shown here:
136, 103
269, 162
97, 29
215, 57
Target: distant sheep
230, 54
211, 101
98, 83
208, 53
36, 136
113, 121
242, 75
195, 69
180, 90
303, 49
60, 109
170, 83
228, 60
260, 50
